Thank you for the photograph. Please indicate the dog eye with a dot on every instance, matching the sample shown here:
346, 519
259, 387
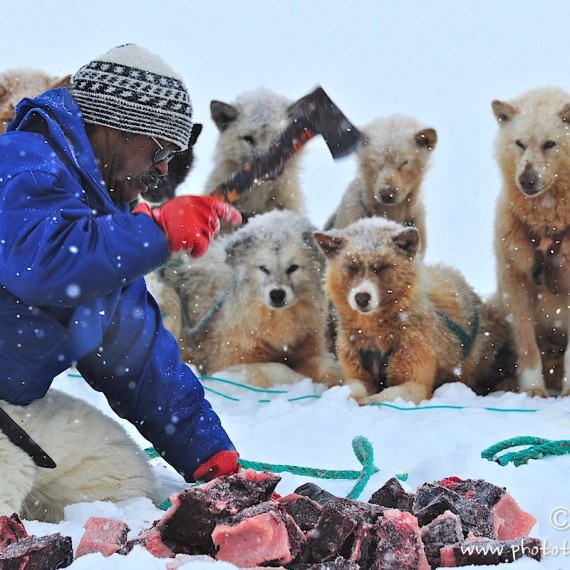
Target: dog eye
548, 144
404, 164
352, 267
377, 267
292, 268
520, 144
249, 139
264, 269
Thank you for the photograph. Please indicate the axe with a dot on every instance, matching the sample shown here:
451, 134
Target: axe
314, 114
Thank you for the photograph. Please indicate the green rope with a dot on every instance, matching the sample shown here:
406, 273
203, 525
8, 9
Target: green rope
537, 449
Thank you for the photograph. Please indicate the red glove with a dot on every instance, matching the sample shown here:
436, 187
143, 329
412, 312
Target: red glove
190, 222
222, 463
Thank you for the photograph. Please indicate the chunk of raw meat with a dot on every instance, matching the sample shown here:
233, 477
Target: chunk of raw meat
151, 540
510, 520
38, 553
341, 531
399, 543
479, 490
102, 535
314, 492
11, 530
393, 496
336, 564
431, 500
304, 510
483, 552
259, 535
187, 526
443, 530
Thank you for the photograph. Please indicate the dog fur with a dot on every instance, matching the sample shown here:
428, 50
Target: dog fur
15, 84
391, 166
405, 327
96, 460
532, 227
246, 128
270, 321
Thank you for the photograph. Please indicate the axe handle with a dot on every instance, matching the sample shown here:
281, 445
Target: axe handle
267, 165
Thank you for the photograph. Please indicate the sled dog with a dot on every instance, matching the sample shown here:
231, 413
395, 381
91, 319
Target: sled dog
532, 234
391, 166
255, 299
404, 327
96, 459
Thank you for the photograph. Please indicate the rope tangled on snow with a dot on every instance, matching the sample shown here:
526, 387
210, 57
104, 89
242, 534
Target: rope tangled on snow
538, 448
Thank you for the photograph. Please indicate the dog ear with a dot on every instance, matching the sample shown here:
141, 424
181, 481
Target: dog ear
503, 111
223, 114
408, 241
426, 138
565, 113
195, 133
63, 82
236, 248
328, 243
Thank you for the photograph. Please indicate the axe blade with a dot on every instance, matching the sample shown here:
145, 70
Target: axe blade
313, 114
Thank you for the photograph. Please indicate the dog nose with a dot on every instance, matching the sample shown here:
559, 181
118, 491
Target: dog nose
388, 194
528, 179
362, 300
277, 297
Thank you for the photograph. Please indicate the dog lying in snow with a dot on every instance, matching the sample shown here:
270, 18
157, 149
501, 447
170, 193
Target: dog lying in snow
391, 168
255, 303
405, 327
247, 127
96, 460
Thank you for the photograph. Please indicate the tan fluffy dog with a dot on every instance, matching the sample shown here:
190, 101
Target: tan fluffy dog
391, 168
15, 84
247, 127
532, 232
255, 303
404, 327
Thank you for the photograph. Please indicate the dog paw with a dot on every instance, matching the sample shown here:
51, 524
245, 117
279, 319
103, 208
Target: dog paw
409, 392
357, 389
536, 391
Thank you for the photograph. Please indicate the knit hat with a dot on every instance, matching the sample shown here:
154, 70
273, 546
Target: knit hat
131, 89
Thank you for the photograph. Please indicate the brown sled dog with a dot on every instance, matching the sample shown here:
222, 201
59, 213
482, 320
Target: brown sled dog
532, 234
404, 327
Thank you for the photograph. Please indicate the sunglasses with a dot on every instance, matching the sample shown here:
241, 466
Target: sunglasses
163, 153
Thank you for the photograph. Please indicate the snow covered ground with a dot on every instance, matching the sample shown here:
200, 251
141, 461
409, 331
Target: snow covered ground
308, 426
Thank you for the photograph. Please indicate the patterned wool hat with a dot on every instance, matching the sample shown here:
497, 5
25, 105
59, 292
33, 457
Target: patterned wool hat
131, 89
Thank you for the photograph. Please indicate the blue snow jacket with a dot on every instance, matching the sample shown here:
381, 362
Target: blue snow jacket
72, 290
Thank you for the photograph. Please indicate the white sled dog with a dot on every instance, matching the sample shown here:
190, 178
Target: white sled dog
391, 166
255, 303
247, 127
96, 460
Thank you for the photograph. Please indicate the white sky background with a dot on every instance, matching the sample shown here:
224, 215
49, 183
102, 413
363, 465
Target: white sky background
442, 62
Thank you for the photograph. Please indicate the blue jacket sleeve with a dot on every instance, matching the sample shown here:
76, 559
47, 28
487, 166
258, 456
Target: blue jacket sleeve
56, 248
138, 368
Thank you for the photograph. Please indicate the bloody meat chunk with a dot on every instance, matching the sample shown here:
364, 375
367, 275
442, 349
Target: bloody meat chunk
314, 492
151, 540
441, 531
38, 553
479, 490
510, 520
259, 535
431, 500
11, 530
336, 564
187, 526
399, 543
304, 510
342, 530
103, 535
393, 496
483, 552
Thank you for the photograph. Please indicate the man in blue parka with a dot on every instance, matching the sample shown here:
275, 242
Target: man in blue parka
73, 254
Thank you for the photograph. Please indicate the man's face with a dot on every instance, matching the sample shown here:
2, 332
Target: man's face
126, 162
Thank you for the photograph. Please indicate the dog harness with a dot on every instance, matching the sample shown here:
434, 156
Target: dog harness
22, 439
375, 362
545, 258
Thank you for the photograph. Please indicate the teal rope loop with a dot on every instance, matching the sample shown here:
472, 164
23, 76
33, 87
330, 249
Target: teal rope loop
538, 448
362, 449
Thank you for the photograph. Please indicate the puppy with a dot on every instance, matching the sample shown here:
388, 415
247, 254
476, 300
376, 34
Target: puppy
256, 300
15, 84
404, 327
391, 168
246, 128
96, 460
532, 229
